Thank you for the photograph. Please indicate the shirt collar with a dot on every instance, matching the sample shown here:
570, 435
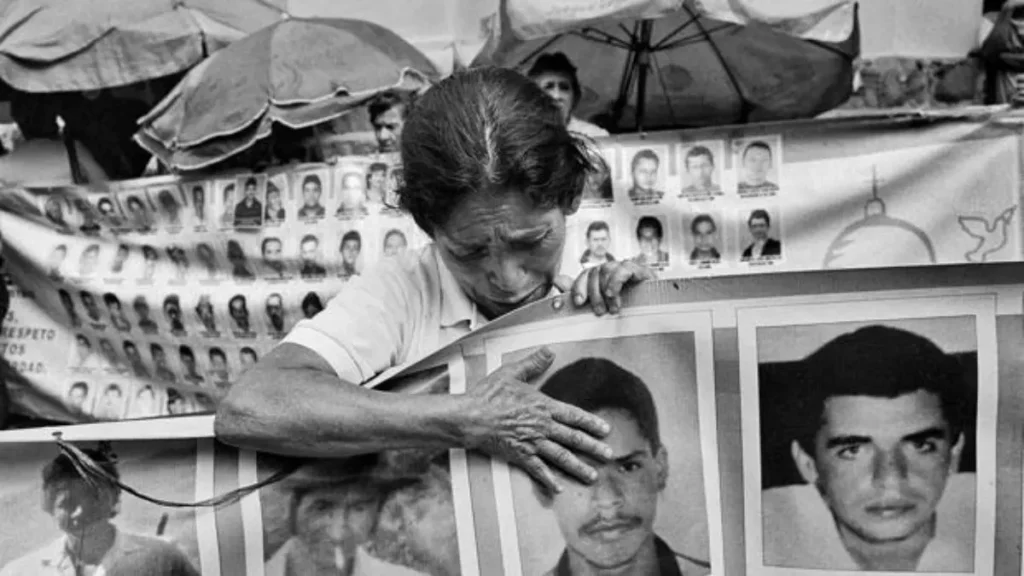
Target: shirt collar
456, 307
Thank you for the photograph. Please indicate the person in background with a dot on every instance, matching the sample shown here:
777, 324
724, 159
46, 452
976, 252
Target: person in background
275, 212
649, 236
172, 312
249, 212
87, 261
757, 163
141, 307
163, 370
239, 312
150, 260
309, 254
219, 372
54, 210
351, 246
764, 246
120, 258
247, 356
387, 116
273, 258
702, 230
176, 403
77, 395
108, 213
131, 351
204, 311
89, 226
556, 75
116, 311
205, 254
92, 309
598, 239
395, 243
199, 204
644, 169
275, 312
700, 168
239, 262
376, 182
110, 405
83, 510
144, 405
491, 174
170, 207
312, 190
227, 217
188, 361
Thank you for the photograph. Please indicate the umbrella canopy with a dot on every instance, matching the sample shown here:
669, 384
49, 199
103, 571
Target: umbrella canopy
670, 64
79, 45
297, 73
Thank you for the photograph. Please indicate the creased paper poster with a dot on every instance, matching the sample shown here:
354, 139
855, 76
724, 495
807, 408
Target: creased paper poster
151, 297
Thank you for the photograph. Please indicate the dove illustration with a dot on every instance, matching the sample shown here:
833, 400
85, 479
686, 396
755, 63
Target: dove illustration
991, 237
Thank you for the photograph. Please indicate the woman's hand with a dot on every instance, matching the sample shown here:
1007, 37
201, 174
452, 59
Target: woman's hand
602, 285
510, 419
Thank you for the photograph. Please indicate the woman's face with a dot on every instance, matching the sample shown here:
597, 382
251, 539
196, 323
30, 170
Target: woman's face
503, 251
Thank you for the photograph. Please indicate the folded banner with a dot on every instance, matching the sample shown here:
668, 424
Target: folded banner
756, 422
149, 297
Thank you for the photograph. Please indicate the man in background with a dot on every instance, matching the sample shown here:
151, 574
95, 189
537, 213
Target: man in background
763, 246
309, 252
884, 428
395, 243
163, 370
608, 526
188, 361
77, 395
116, 311
83, 510
239, 312
644, 169
249, 212
703, 230
757, 163
141, 307
272, 250
312, 190
351, 246
376, 182
275, 312
172, 311
598, 239
110, 405
649, 235
204, 311
131, 351
700, 167
219, 373
387, 116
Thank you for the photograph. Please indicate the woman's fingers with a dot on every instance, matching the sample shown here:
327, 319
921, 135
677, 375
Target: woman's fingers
569, 463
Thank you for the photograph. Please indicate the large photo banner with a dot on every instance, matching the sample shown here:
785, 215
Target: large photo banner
824, 423
149, 298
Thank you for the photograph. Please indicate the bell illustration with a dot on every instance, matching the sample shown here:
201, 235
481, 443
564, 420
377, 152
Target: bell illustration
879, 240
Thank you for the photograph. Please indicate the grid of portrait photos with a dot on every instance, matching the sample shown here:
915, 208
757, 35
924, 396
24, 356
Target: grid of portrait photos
171, 288
869, 422
650, 376
403, 512
55, 521
683, 208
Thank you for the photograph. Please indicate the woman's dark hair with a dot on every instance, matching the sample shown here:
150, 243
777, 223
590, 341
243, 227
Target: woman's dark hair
487, 131
558, 63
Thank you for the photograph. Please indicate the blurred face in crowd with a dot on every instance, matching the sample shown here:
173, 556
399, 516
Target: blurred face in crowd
597, 242
250, 191
188, 360
311, 193
218, 362
107, 349
377, 180
559, 87
159, 356
350, 251
229, 198
275, 311
757, 161
645, 175
387, 127
90, 305
334, 521
394, 244
199, 202
353, 189
881, 464
54, 211
272, 252
608, 524
204, 309
239, 313
701, 169
176, 405
309, 251
650, 243
89, 258
704, 235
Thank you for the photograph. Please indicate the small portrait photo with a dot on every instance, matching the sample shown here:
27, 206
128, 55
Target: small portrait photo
191, 366
308, 190
79, 399
59, 520
760, 234
757, 162
273, 262
138, 365
67, 302
402, 513
88, 262
173, 315
179, 259
394, 240
120, 258
206, 316
350, 252
241, 268
197, 198
350, 182
92, 307
177, 403
110, 400
86, 215
278, 318
111, 358
249, 209
110, 213
139, 211
652, 241
861, 446
242, 325
274, 212
56, 209
220, 373
144, 315
163, 365
145, 403
393, 190
311, 259
55, 262
597, 242
83, 357
701, 165
150, 264
648, 172
704, 240
598, 188
654, 505
226, 200
377, 183
311, 304
247, 358
115, 309
170, 206
207, 262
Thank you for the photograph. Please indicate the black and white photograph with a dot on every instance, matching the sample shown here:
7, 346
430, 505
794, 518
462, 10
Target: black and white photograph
169, 204
597, 240
138, 210
647, 177
59, 522
396, 513
760, 233
350, 191
274, 260
275, 211
309, 193
704, 238
654, 506
351, 253
757, 162
377, 176
249, 206
395, 237
198, 199
242, 252
226, 197
861, 422
598, 190
56, 208
84, 214
701, 168
650, 240
311, 257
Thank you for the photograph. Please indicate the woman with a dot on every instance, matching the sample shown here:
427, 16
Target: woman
556, 75
490, 175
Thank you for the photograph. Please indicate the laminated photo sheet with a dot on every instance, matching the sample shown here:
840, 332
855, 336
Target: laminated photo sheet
787, 522
669, 486
42, 500
424, 523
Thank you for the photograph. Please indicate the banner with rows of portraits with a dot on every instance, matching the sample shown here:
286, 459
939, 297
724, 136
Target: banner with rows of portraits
150, 297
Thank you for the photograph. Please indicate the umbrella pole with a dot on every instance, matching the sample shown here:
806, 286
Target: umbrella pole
643, 62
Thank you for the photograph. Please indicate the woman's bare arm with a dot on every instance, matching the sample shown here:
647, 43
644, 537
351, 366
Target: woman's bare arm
293, 404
